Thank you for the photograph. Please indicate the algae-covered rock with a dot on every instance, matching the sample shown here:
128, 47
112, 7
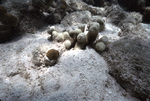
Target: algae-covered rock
77, 18
52, 54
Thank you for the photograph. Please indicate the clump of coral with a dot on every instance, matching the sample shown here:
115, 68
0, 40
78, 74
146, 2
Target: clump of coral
80, 37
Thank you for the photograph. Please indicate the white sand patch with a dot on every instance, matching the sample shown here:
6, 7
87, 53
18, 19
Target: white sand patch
79, 74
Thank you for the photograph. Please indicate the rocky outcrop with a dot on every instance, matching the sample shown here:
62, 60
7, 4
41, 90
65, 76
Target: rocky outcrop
141, 6
51, 10
77, 18
130, 65
9, 26
95, 2
133, 5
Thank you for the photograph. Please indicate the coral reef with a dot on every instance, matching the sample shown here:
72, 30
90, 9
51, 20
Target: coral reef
100, 27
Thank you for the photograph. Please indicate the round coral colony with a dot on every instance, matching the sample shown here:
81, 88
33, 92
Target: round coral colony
52, 54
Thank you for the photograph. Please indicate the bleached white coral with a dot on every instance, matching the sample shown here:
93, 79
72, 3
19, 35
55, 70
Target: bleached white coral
60, 37
67, 44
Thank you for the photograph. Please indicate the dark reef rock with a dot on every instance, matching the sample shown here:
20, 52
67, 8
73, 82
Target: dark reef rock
90, 2
95, 2
129, 61
99, 3
3, 11
141, 6
133, 5
77, 18
53, 10
9, 27
146, 14
10, 20
116, 14
7, 33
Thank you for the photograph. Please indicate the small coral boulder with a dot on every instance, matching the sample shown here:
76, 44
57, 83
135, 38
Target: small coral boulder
100, 46
52, 54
